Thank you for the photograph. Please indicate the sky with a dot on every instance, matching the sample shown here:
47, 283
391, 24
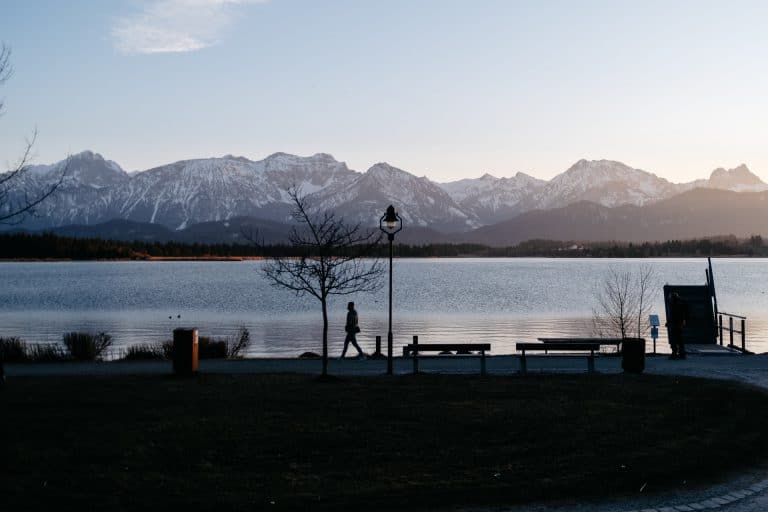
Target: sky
447, 89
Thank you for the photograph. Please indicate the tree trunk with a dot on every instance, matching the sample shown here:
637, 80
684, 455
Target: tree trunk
325, 336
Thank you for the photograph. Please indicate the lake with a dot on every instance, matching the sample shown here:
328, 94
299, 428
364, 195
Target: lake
500, 301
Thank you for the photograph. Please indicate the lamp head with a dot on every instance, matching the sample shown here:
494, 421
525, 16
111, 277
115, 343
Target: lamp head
390, 222
390, 218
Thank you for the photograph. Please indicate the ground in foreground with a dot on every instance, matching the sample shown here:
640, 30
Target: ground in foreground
292, 442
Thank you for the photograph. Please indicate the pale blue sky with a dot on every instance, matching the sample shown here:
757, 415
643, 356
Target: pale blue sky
442, 88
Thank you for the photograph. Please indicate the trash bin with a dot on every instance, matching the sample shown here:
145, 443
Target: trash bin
185, 349
633, 355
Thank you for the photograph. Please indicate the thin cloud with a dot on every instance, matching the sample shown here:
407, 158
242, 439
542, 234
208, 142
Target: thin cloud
172, 26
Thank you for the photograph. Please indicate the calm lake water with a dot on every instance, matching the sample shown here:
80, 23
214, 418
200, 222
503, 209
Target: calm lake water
500, 301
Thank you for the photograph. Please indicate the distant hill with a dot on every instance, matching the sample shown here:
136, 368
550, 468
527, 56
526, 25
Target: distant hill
699, 212
234, 231
239, 230
117, 229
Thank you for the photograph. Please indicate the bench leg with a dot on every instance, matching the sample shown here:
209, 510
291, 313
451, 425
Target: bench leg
523, 365
591, 362
482, 362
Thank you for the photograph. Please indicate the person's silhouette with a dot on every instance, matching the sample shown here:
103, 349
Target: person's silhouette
676, 320
352, 329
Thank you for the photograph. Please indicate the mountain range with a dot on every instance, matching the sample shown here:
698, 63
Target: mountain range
591, 200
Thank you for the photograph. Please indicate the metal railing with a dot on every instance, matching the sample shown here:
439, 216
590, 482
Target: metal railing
731, 331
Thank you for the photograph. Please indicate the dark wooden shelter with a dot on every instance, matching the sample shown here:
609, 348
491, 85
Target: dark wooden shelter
701, 327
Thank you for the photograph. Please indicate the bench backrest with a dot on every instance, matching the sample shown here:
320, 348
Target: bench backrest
558, 346
448, 346
601, 341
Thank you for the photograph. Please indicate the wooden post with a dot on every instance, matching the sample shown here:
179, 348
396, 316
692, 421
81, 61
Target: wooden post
378, 345
743, 336
591, 361
730, 328
482, 362
415, 355
523, 365
721, 330
712, 285
185, 351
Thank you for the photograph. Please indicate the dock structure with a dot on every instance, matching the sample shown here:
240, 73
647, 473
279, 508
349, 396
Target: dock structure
707, 327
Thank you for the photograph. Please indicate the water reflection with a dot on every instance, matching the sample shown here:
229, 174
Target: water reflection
494, 301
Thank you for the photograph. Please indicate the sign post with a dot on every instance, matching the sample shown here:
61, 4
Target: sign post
654, 321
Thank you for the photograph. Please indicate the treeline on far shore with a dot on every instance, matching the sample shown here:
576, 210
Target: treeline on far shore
20, 246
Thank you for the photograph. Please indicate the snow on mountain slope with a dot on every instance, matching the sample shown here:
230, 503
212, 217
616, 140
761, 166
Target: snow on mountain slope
179, 194
82, 196
605, 182
188, 192
739, 179
213, 189
418, 201
491, 199
86, 168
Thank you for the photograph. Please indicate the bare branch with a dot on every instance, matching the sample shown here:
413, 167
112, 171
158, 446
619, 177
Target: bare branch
251, 234
17, 201
623, 303
332, 258
13, 210
6, 70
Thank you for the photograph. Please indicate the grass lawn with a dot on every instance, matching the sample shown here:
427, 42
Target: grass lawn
285, 442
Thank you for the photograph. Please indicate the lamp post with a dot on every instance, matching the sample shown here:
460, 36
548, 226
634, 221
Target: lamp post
390, 223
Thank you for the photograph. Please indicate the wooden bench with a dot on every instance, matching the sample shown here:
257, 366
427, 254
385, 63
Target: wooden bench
460, 349
616, 342
560, 347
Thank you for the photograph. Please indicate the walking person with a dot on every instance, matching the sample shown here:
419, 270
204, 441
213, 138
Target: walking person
676, 320
352, 329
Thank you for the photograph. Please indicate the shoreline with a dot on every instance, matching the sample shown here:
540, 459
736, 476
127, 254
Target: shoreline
463, 257
151, 258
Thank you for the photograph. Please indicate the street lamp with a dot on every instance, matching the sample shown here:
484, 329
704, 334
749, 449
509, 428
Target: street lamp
390, 223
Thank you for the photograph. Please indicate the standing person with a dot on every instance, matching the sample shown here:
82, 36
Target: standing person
352, 329
676, 320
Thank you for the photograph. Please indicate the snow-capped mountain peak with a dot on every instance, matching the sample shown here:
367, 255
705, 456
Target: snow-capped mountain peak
388, 173
738, 179
236, 157
286, 162
606, 182
82, 169
215, 189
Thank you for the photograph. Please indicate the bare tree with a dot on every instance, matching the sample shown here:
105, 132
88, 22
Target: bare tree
623, 303
644, 282
6, 70
331, 261
16, 201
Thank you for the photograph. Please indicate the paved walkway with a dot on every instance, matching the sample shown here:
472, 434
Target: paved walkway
742, 493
